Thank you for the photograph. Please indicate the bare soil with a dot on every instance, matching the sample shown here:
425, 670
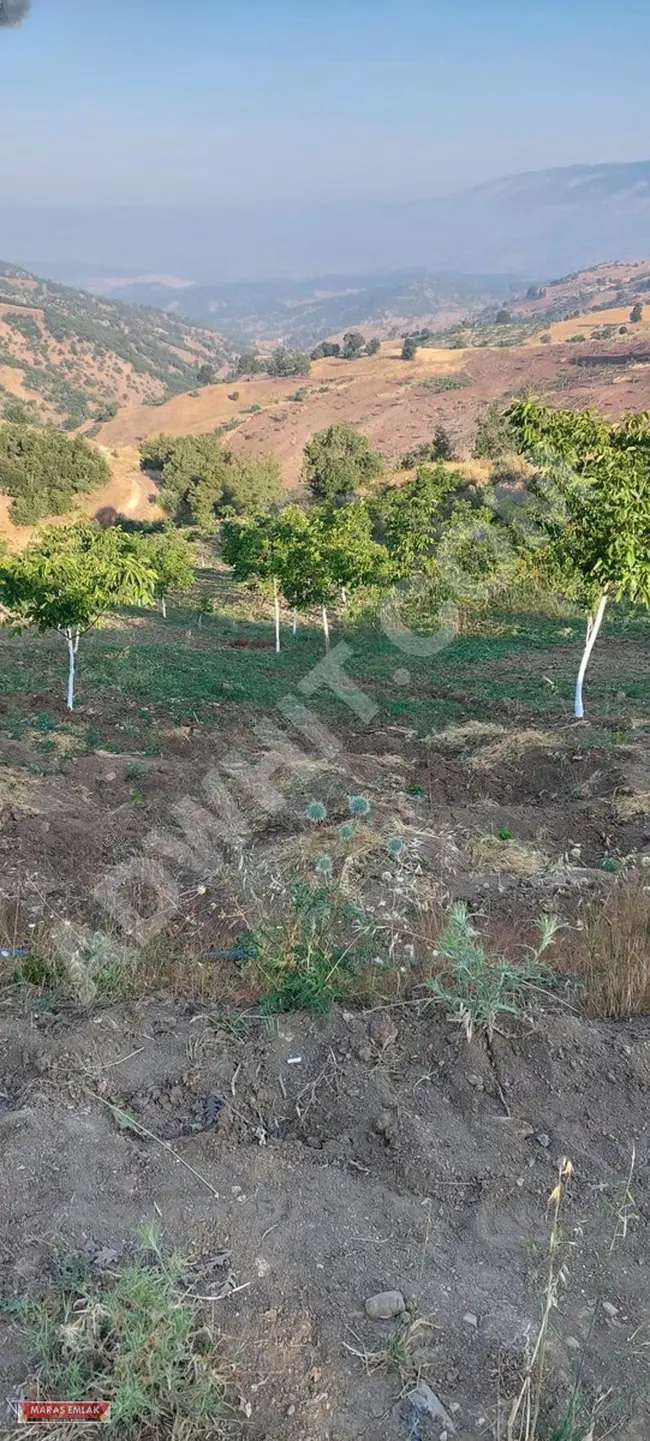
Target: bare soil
363, 1152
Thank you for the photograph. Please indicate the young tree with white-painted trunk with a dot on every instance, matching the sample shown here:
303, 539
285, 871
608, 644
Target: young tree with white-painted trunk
255, 549
593, 488
69, 576
170, 554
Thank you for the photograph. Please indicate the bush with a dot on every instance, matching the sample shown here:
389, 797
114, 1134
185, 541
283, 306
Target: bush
44, 471
409, 348
325, 349
338, 461
636, 313
373, 347
494, 437
201, 480
353, 344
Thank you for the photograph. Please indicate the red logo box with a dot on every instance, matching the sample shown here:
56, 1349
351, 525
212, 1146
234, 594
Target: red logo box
30, 1411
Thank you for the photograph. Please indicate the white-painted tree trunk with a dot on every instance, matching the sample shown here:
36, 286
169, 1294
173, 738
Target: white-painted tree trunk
593, 626
326, 628
76, 640
276, 606
72, 654
344, 594
294, 627
163, 607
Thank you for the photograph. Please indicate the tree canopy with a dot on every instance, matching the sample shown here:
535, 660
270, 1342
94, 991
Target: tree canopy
203, 481
339, 462
44, 470
593, 505
70, 575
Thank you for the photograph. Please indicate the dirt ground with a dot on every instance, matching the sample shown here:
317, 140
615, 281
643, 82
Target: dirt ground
361, 1153
366, 1153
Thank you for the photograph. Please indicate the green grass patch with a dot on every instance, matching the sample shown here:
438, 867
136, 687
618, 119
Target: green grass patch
130, 1335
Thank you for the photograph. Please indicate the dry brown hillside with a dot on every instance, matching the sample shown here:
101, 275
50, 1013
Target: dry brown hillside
398, 403
71, 357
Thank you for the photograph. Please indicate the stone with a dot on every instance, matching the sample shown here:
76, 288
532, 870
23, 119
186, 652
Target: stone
385, 1305
425, 1403
610, 1310
543, 1140
476, 1082
471, 1319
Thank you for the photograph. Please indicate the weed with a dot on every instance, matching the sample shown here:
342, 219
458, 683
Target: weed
476, 988
132, 1336
306, 961
93, 739
135, 772
613, 951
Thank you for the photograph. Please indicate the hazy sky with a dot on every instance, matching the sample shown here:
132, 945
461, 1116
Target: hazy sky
165, 101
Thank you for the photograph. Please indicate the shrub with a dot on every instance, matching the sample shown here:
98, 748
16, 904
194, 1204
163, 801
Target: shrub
494, 436
44, 471
338, 461
201, 479
409, 348
636, 313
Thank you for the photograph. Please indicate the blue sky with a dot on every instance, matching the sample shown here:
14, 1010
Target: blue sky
179, 101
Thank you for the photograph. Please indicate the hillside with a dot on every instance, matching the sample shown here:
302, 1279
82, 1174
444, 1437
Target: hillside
299, 313
453, 377
69, 356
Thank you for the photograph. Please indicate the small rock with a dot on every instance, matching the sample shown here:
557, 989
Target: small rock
543, 1140
573, 1344
611, 1077
610, 1310
476, 1082
365, 1054
470, 1319
384, 1123
385, 1305
425, 1402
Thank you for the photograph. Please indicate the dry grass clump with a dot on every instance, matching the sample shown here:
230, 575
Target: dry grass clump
613, 951
508, 857
513, 745
632, 808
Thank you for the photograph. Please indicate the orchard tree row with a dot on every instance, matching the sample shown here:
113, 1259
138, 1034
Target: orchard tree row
579, 519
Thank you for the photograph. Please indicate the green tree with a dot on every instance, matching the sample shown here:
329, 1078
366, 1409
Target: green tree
494, 436
16, 413
593, 489
325, 349
636, 313
44, 470
256, 549
338, 462
373, 346
202, 481
409, 348
503, 317
170, 556
285, 362
353, 344
407, 517
206, 374
69, 576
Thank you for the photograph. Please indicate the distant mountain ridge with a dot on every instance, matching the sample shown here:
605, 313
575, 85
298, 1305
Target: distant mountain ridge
537, 224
